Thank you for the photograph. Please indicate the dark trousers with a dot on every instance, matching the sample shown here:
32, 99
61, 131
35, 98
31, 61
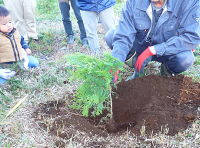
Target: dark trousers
176, 63
65, 11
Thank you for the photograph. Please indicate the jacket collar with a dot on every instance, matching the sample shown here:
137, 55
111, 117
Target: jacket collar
144, 4
10, 34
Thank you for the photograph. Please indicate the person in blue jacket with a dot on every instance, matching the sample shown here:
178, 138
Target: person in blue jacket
92, 12
157, 30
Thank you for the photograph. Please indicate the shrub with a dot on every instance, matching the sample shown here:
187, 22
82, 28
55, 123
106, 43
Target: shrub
94, 77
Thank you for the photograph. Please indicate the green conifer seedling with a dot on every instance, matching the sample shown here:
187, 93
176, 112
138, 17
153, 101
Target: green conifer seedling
95, 78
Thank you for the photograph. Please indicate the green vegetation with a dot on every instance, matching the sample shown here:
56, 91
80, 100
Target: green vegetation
48, 10
95, 78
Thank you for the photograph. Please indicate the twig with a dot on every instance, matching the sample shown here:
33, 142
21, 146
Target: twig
189, 92
110, 101
75, 114
14, 108
170, 98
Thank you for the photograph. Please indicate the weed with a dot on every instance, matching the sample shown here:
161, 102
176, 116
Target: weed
142, 130
16, 85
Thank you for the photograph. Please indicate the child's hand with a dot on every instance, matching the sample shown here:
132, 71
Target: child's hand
28, 51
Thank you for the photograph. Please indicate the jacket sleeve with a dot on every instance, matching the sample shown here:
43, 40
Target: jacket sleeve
188, 37
24, 43
124, 35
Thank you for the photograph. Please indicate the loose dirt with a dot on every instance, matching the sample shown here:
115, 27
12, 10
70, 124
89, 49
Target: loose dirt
144, 105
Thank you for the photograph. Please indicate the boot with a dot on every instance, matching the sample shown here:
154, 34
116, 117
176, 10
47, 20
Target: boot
165, 71
137, 74
85, 42
131, 58
70, 39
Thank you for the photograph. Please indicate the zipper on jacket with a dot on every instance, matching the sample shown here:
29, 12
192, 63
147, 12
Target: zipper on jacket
151, 19
13, 49
164, 11
16, 47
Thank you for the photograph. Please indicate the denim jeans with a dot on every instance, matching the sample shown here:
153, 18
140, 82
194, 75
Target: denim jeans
65, 11
91, 19
176, 63
33, 62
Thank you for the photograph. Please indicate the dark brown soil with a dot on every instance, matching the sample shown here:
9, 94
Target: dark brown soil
155, 101
144, 105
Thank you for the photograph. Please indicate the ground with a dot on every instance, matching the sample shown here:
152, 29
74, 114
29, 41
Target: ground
141, 106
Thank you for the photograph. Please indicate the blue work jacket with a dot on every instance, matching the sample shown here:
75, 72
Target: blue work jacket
177, 30
95, 5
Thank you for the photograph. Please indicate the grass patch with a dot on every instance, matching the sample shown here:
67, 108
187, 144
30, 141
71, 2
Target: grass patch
48, 10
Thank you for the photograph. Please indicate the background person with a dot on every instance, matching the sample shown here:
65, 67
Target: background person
23, 16
65, 11
95, 11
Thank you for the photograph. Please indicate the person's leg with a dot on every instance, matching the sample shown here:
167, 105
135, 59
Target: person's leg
33, 62
177, 63
79, 18
107, 19
29, 17
90, 23
16, 9
65, 11
109, 38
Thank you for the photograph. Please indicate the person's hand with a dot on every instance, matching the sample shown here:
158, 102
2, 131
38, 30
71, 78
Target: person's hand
6, 73
115, 77
150, 51
28, 51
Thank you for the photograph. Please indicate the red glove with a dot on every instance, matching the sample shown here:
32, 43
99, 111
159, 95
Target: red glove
115, 77
142, 57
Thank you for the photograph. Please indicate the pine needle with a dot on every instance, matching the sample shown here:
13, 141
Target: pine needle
6, 123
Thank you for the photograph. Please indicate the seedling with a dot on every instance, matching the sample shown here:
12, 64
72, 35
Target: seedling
94, 77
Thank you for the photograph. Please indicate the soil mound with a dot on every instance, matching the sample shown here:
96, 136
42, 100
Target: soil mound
142, 105
156, 103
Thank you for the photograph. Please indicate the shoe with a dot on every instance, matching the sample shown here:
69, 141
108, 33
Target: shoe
85, 42
131, 58
71, 39
35, 40
165, 71
137, 74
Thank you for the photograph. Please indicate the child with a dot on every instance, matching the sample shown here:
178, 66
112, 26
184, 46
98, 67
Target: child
13, 48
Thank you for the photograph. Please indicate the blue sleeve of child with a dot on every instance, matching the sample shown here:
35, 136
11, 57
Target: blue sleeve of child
24, 43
